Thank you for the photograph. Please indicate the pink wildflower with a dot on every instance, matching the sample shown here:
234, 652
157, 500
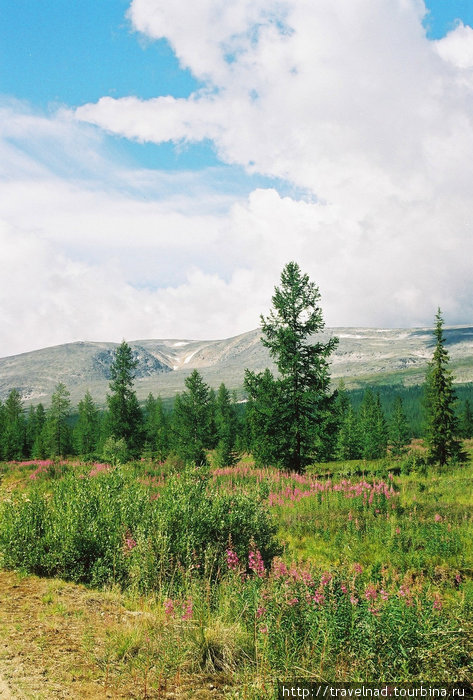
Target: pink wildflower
353, 600
260, 611
188, 609
279, 568
130, 543
437, 518
232, 560
293, 601
357, 568
326, 578
169, 608
437, 605
256, 564
263, 629
371, 593
343, 588
318, 597
384, 595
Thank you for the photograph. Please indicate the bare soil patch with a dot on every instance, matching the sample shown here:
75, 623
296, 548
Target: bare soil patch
53, 645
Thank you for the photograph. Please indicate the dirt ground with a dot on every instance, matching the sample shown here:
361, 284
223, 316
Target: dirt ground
52, 645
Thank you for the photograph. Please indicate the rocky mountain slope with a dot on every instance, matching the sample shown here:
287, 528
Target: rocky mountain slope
364, 356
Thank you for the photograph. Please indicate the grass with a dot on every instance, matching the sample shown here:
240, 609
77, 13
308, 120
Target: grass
374, 574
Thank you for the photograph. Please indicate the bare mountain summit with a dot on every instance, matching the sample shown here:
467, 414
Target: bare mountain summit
364, 356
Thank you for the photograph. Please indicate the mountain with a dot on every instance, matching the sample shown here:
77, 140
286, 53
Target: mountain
364, 356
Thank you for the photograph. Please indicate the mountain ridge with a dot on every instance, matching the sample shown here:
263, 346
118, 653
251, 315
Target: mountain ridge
363, 356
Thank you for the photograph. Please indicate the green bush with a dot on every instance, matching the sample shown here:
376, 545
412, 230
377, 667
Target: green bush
107, 527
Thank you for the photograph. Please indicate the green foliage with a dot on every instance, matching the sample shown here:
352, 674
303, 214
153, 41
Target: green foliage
105, 528
192, 421
265, 417
57, 434
156, 428
466, 425
115, 451
442, 429
86, 431
226, 423
349, 443
13, 431
373, 427
398, 429
124, 419
303, 385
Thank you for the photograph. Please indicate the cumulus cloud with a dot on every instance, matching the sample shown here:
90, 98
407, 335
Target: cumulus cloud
349, 102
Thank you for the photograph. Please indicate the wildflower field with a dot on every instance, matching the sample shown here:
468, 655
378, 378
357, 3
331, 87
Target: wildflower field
236, 577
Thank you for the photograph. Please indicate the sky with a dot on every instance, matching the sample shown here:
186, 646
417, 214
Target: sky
161, 162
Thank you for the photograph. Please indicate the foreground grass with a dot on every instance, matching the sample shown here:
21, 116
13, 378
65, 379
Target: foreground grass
375, 578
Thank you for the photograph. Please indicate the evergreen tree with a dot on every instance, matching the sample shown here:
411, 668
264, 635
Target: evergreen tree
39, 449
373, 427
467, 421
192, 420
349, 443
442, 428
226, 427
86, 431
125, 419
14, 427
57, 430
399, 429
156, 428
30, 430
265, 419
303, 386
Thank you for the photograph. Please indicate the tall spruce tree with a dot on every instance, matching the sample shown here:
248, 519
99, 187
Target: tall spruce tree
86, 431
192, 421
14, 427
226, 427
303, 385
156, 427
350, 439
373, 426
441, 425
58, 433
398, 428
124, 419
39, 449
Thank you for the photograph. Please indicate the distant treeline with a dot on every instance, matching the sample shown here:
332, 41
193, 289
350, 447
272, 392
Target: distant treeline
360, 423
412, 400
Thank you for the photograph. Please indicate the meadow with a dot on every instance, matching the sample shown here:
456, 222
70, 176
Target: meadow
353, 571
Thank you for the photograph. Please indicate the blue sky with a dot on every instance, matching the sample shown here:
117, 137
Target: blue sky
64, 52
140, 165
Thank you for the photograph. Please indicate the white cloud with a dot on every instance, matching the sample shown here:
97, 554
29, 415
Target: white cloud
348, 101
457, 46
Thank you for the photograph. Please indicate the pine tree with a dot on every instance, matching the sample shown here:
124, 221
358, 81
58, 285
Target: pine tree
349, 443
303, 386
56, 426
192, 420
441, 425
226, 427
14, 427
86, 431
398, 428
373, 427
156, 427
124, 419
39, 449
265, 418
